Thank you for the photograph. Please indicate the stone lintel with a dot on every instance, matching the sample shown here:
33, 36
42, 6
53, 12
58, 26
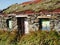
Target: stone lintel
44, 17
21, 16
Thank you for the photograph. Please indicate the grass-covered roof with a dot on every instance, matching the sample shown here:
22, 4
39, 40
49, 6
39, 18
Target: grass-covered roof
48, 5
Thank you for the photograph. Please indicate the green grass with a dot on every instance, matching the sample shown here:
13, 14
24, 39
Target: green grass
33, 38
41, 38
46, 5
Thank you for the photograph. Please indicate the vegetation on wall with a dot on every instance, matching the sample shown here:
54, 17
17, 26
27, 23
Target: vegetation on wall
42, 5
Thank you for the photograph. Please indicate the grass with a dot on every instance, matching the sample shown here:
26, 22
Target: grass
41, 38
49, 5
7, 38
33, 38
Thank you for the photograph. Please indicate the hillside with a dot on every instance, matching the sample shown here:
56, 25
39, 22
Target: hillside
48, 5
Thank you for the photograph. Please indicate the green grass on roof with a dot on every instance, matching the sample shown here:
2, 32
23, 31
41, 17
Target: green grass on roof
47, 5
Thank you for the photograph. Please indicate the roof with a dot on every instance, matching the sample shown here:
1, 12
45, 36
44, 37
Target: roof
32, 12
30, 2
36, 6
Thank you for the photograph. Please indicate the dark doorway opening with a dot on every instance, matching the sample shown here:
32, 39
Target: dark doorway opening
21, 27
44, 24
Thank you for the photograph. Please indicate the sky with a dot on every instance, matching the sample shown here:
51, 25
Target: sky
6, 3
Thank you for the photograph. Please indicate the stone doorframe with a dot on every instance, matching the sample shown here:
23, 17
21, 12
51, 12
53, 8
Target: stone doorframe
23, 20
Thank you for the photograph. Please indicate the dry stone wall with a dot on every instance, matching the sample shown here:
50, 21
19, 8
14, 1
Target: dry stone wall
3, 23
33, 22
56, 22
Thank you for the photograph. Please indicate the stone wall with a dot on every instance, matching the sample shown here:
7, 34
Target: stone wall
33, 21
3, 23
55, 22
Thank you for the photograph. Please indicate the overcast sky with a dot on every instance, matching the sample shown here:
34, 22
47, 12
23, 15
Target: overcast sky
5, 3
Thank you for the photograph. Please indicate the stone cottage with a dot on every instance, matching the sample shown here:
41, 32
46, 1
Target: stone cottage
31, 22
28, 20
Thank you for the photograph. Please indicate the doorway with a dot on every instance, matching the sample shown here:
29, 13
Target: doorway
44, 24
20, 23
